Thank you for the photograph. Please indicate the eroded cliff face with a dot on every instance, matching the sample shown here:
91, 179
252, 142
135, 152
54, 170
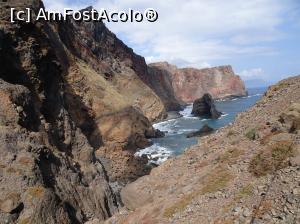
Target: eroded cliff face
71, 117
190, 84
160, 80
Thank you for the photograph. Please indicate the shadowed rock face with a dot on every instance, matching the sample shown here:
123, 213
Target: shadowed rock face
71, 118
190, 84
204, 107
160, 80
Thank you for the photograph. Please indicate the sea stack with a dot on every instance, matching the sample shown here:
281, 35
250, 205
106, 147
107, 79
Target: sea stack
205, 107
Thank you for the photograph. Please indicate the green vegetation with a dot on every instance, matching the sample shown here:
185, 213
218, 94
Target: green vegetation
251, 134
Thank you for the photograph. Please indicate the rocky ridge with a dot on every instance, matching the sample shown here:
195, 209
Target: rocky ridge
74, 110
247, 172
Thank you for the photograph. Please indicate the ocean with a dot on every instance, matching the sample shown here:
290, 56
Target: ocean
175, 141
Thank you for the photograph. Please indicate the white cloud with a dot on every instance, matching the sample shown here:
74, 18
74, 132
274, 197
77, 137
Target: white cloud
254, 73
195, 32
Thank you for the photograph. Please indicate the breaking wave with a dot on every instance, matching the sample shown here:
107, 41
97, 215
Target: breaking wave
156, 154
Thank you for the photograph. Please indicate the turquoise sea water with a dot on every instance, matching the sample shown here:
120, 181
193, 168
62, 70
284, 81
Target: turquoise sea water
176, 130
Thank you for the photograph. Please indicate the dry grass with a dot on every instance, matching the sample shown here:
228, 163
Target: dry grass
244, 192
24, 221
230, 156
36, 192
216, 181
231, 133
179, 205
272, 159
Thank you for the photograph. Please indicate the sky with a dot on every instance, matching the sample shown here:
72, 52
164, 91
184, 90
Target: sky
259, 38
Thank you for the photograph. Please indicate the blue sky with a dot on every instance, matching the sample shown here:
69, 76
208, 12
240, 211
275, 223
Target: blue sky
259, 38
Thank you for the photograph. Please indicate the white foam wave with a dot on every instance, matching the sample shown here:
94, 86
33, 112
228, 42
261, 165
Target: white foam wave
187, 112
224, 115
166, 126
250, 96
155, 153
182, 131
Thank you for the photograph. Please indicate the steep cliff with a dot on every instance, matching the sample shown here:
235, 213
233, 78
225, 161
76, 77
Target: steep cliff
190, 84
71, 118
247, 172
160, 80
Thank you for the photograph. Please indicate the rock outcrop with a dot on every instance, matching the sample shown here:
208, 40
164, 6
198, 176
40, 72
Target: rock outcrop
205, 107
190, 84
229, 177
74, 110
205, 130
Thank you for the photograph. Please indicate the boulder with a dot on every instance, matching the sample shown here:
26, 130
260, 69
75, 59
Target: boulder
154, 133
204, 106
205, 130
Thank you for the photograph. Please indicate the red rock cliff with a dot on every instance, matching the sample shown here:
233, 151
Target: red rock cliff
190, 83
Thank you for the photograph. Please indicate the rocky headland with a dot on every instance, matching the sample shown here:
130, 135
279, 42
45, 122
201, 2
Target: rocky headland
190, 84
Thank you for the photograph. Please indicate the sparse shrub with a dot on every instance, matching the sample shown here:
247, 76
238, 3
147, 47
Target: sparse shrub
231, 133
251, 134
274, 158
